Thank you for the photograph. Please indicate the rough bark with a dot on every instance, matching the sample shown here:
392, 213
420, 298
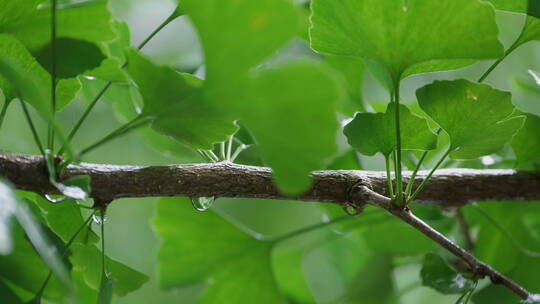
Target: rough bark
448, 187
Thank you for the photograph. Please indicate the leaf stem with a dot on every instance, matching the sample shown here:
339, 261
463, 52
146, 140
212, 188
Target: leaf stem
3, 112
514, 46
389, 177
133, 124
50, 140
398, 171
32, 127
229, 147
424, 182
105, 87
410, 184
64, 252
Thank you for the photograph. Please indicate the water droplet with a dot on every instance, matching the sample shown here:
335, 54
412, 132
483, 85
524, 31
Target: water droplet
55, 198
202, 203
98, 219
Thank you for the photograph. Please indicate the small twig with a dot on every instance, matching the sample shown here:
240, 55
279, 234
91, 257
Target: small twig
360, 194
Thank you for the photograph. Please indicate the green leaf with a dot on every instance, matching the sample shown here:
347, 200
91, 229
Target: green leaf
291, 111
30, 22
106, 289
352, 71
338, 272
477, 117
237, 35
65, 219
526, 143
401, 34
175, 101
370, 133
531, 29
8, 209
7, 295
237, 266
73, 57
87, 259
438, 275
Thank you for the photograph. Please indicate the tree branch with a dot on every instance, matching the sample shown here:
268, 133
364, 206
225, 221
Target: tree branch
361, 195
448, 187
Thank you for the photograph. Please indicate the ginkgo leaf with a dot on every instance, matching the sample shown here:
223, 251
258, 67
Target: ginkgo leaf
176, 102
291, 111
437, 274
531, 29
476, 116
401, 34
237, 35
228, 257
371, 133
526, 143
87, 259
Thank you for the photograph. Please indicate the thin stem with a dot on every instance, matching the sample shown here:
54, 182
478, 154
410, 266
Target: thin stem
53, 73
362, 195
102, 214
212, 155
389, 177
32, 127
307, 229
229, 148
3, 112
515, 243
465, 230
410, 184
105, 87
398, 171
129, 126
424, 182
64, 252
498, 61
222, 151
239, 150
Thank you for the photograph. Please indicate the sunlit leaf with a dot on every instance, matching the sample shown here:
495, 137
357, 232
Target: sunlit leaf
401, 34
371, 133
476, 116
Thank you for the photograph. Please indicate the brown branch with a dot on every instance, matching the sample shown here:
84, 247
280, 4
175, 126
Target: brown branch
361, 195
447, 188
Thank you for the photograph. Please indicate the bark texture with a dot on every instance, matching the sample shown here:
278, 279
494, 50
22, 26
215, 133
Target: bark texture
448, 187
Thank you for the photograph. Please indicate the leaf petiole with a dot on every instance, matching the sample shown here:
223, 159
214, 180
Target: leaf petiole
424, 182
398, 170
32, 127
389, 177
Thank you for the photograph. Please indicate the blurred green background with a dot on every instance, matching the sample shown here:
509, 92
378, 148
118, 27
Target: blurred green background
130, 236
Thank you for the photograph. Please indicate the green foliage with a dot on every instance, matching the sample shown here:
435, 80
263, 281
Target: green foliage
401, 34
370, 133
476, 116
262, 85
217, 260
438, 275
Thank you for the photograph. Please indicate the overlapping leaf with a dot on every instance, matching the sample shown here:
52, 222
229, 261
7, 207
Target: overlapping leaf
176, 103
526, 143
476, 116
238, 36
370, 133
531, 29
400, 34
236, 266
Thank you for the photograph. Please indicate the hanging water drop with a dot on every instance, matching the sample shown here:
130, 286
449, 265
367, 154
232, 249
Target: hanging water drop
55, 198
98, 219
202, 203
